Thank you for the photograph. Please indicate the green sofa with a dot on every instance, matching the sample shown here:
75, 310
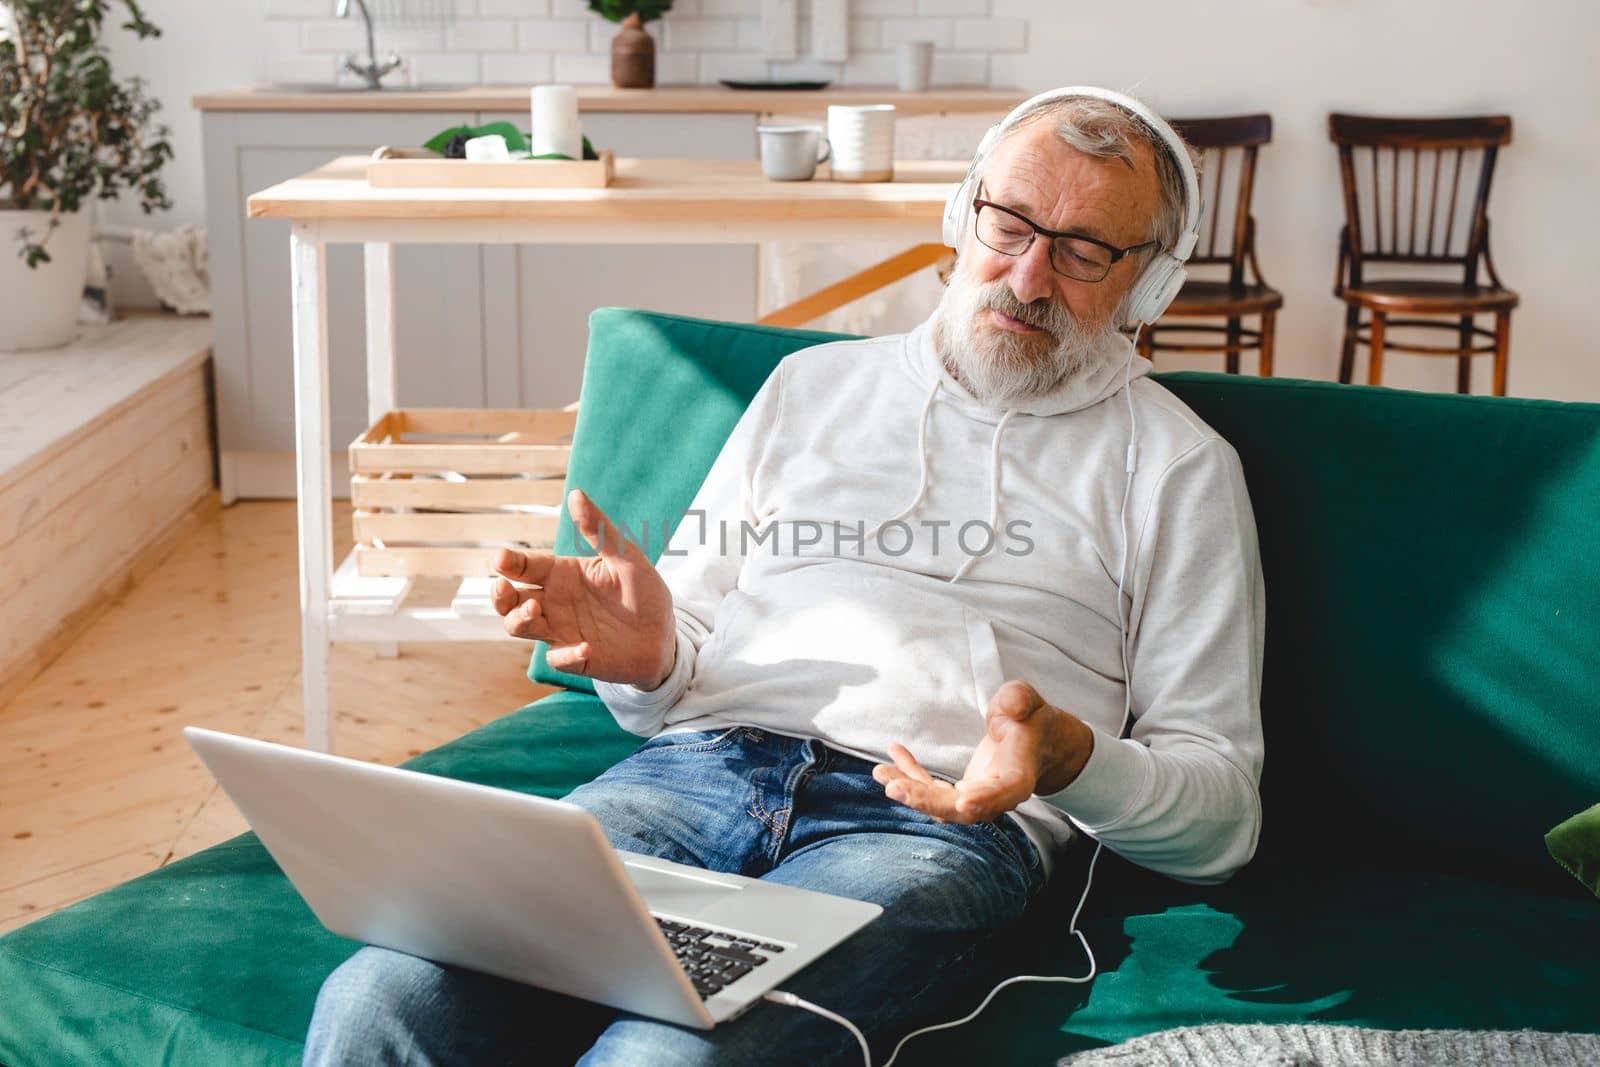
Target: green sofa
1432, 665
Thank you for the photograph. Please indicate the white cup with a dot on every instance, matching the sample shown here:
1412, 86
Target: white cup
862, 138
791, 153
488, 149
554, 111
915, 65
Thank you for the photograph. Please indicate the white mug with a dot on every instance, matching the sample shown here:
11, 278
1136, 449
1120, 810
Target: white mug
915, 65
862, 138
791, 153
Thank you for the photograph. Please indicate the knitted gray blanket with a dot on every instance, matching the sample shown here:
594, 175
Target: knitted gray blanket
1343, 1046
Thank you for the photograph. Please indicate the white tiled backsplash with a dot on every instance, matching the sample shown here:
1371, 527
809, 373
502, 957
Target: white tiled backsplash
698, 42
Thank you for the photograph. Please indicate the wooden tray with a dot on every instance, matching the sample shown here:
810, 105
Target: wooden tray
439, 491
408, 168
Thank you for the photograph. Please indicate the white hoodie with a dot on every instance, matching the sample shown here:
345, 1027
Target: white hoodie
804, 630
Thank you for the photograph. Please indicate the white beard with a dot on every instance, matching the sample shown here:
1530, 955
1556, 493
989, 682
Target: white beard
1000, 367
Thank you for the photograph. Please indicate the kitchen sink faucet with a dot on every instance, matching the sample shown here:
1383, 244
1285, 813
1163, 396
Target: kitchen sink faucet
371, 69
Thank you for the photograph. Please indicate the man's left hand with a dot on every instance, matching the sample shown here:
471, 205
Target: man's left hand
1028, 747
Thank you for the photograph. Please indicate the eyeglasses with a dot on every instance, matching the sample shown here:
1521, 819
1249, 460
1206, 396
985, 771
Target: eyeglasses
1083, 259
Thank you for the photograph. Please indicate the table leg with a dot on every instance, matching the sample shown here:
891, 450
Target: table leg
382, 365
313, 477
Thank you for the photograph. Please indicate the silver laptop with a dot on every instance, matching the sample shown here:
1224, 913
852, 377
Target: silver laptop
519, 886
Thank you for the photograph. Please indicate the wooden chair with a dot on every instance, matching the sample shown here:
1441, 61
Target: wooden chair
1391, 230
1237, 296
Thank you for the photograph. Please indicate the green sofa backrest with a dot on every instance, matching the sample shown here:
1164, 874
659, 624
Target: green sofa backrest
1432, 568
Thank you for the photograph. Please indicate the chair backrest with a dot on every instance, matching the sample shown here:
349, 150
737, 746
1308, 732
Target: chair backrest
1416, 190
1227, 147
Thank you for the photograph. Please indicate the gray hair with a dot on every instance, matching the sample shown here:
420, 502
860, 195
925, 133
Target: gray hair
1103, 130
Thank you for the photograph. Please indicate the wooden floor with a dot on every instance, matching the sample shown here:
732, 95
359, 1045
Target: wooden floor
97, 784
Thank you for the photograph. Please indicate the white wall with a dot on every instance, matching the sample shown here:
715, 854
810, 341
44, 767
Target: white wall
1297, 59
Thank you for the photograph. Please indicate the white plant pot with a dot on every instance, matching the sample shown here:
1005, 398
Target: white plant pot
39, 305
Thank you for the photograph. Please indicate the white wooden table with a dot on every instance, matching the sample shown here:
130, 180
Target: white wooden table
650, 202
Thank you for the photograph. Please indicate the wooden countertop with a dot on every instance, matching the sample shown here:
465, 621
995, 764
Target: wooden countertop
608, 98
672, 189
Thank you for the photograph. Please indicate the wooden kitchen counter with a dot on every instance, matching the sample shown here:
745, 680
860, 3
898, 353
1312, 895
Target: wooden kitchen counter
679, 190
607, 98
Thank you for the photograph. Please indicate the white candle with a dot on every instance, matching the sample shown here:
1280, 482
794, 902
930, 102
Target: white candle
555, 121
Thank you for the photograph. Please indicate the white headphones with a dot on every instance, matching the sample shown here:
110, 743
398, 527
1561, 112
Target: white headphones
1164, 275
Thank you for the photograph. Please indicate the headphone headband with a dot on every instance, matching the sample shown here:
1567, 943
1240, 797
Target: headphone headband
1160, 281
1155, 123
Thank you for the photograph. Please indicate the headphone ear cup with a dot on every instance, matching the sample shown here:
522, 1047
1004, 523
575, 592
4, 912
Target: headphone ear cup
952, 215
958, 205
1156, 289
1162, 298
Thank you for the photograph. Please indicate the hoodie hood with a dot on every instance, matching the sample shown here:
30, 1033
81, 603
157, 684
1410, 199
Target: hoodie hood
1101, 380
1104, 379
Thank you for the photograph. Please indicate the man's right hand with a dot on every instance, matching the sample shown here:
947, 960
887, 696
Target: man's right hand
607, 616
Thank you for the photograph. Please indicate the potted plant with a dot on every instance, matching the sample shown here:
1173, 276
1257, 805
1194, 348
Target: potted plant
633, 51
69, 133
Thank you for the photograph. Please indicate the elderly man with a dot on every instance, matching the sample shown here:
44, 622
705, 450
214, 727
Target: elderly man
885, 656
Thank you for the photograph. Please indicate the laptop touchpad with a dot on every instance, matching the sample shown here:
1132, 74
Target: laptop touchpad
678, 894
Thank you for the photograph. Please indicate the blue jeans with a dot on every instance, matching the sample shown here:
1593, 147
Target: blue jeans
741, 801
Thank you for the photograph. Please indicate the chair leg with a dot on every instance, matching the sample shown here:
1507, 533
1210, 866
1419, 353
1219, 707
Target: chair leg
1464, 365
1268, 323
1502, 350
1234, 335
1347, 358
1375, 366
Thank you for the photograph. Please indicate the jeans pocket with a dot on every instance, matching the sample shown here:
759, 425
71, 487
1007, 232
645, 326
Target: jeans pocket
694, 740
1009, 832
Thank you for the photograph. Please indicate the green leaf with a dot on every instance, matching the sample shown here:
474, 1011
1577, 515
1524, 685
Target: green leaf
617, 10
87, 134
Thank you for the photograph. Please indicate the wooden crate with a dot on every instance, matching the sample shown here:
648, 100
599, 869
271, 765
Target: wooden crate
438, 492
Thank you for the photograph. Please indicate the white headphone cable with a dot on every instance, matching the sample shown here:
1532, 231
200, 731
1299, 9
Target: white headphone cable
779, 996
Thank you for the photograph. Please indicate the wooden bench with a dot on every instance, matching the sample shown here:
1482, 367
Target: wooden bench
105, 445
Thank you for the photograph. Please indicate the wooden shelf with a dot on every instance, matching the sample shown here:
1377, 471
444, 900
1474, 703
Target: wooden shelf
390, 609
715, 98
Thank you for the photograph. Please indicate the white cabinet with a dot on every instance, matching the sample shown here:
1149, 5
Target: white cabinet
497, 326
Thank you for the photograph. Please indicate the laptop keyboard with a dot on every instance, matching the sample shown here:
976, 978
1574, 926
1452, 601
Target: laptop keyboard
714, 959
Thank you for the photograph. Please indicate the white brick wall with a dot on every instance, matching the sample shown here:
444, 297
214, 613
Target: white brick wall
700, 42
516, 68
936, 30
511, 8
445, 68
481, 35
552, 35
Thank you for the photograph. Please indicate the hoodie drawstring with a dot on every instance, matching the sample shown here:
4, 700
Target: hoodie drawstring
922, 480
922, 477
994, 498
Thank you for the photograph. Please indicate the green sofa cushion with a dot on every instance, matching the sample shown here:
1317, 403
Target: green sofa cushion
1433, 611
216, 960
